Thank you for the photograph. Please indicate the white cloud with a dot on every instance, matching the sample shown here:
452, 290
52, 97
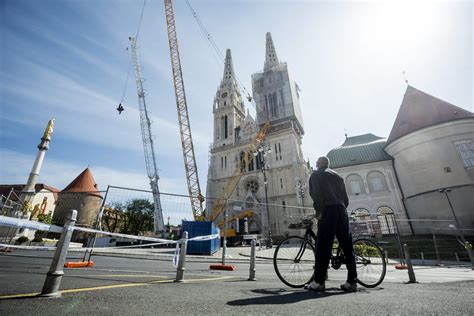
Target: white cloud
16, 168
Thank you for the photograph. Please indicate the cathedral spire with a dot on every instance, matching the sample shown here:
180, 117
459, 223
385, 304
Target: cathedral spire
271, 58
228, 69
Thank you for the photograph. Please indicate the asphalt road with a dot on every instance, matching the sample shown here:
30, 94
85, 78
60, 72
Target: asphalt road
125, 286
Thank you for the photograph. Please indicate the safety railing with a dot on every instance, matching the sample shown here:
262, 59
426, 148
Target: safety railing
53, 279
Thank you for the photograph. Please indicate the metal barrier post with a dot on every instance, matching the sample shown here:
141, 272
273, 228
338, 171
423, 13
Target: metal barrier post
411, 273
422, 258
400, 248
182, 258
224, 246
55, 273
470, 253
438, 258
252, 261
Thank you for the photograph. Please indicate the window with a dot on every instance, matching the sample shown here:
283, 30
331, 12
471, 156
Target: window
225, 162
387, 220
282, 102
259, 161
355, 187
222, 127
279, 149
222, 162
361, 214
281, 183
225, 127
275, 104
376, 180
250, 163
360, 223
355, 184
242, 162
252, 186
276, 152
466, 150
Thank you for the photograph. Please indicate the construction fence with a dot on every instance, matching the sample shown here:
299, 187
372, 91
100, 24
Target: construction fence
131, 211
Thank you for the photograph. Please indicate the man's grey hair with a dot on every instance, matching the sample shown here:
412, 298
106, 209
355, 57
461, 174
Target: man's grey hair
323, 161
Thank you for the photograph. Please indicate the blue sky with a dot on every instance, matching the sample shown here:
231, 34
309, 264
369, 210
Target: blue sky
67, 60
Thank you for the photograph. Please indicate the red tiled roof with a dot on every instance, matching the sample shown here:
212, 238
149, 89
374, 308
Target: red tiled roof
420, 110
5, 189
83, 183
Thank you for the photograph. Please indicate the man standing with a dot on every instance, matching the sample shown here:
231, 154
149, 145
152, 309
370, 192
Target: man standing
330, 200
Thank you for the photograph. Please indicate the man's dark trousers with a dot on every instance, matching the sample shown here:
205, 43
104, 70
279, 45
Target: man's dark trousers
334, 222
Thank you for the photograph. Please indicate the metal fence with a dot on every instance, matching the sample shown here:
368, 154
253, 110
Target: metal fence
435, 241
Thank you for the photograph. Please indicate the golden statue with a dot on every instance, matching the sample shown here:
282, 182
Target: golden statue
49, 130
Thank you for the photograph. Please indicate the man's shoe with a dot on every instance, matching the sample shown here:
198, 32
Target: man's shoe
315, 286
349, 287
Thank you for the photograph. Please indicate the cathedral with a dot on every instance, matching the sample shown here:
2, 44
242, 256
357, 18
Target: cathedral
272, 187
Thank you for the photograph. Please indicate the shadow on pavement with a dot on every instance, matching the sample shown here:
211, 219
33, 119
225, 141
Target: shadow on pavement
282, 296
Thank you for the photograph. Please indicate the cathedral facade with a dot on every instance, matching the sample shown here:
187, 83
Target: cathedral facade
271, 189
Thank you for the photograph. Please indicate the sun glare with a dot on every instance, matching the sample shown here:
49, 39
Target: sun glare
405, 20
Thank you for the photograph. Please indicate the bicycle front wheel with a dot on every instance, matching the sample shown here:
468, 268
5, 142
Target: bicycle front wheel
370, 263
294, 261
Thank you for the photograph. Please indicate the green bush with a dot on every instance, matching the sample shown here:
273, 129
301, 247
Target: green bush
45, 218
366, 250
22, 240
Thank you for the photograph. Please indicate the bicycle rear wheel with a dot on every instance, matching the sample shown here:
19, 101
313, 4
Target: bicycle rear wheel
294, 261
370, 263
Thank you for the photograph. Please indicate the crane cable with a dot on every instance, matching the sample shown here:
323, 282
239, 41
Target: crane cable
124, 91
214, 45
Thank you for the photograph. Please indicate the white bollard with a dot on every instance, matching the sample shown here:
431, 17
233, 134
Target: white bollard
55, 273
182, 258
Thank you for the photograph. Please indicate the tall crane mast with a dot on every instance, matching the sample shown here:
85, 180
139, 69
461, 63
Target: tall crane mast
183, 116
147, 139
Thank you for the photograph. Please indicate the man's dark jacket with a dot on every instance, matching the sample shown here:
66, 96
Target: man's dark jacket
326, 188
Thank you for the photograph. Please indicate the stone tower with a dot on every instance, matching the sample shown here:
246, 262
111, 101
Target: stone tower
277, 102
82, 195
228, 107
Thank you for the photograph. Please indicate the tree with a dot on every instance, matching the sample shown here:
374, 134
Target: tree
112, 219
138, 217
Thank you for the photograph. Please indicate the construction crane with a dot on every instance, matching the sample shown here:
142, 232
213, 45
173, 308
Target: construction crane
147, 139
183, 117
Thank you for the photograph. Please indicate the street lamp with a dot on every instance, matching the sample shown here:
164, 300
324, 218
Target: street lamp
262, 151
445, 191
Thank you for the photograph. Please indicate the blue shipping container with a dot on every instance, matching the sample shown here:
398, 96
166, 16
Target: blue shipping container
196, 229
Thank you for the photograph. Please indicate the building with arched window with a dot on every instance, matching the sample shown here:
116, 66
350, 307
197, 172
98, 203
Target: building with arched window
370, 183
424, 171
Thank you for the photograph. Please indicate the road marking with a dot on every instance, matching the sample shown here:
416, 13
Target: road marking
113, 286
118, 275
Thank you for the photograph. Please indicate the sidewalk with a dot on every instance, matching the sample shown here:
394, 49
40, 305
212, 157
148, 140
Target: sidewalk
234, 254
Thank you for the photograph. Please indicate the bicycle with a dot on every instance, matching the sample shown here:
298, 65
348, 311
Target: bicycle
295, 257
